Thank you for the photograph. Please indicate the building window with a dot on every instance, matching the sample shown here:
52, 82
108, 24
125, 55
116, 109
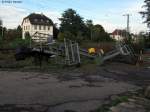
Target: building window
28, 27
26, 20
39, 27
48, 27
35, 27
44, 27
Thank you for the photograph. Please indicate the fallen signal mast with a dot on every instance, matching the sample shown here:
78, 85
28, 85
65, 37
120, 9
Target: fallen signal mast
69, 52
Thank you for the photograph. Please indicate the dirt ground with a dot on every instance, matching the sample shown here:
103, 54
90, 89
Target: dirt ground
75, 90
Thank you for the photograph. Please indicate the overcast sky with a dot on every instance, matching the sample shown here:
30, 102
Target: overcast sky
108, 13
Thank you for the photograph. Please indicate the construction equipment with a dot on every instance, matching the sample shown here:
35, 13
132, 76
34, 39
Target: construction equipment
121, 50
69, 53
42, 46
72, 55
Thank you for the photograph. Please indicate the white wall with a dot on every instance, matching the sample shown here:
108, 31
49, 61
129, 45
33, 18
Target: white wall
28, 27
117, 37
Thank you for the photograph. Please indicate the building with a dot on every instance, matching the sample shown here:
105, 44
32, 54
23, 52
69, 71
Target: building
118, 34
37, 23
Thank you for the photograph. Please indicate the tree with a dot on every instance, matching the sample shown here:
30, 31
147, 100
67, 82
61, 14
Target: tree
144, 40
89, 25
0, 22
72, 22
67, 35
55, 31
99, 34
19, 31
146, 13
19, 42
27, 35
1, 29
12, 34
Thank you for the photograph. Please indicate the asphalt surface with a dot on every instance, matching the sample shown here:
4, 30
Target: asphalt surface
70, 90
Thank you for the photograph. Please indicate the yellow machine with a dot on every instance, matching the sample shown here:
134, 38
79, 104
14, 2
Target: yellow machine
91, 51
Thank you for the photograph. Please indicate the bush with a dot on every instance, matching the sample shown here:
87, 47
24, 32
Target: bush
66, 35
19, 42
61, 36
1, 42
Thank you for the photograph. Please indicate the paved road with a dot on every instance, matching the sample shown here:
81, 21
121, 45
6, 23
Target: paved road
41, 92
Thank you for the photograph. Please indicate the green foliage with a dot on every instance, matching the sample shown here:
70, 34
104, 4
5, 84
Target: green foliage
146, 13
11, 34
99, 34
128, 40
1, 32
61, 36
89, 27
65, 34
72, 24
79, 37
106, 107
144, 40
1, 22
89, 24
27, 35
147, 40
55, 31
1, 42
73, 27
141, 41
98, 61
71, 21
18, 42
12, 38
119, 100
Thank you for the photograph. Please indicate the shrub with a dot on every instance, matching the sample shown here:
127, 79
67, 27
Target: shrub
66, 35
18, 42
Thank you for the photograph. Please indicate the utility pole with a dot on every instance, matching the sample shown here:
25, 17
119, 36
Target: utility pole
128, 24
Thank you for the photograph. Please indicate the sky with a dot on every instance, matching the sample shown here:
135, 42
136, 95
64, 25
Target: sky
108, 13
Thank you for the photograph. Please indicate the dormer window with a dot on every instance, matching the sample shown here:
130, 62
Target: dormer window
47, 21
35, 20
41, 20
25, 20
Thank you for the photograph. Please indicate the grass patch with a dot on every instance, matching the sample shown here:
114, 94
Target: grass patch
6, 55
119, 100
106, 107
